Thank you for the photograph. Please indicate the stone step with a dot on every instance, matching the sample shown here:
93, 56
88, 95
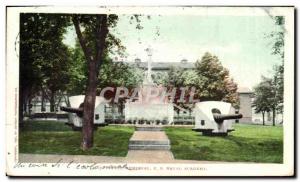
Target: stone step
149, 142
148, 128
149, 147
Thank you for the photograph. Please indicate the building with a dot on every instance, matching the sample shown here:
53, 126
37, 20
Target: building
38, 104
162, 66
245, 96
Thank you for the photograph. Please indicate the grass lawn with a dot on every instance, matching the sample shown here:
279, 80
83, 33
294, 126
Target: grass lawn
251, 143
50, 137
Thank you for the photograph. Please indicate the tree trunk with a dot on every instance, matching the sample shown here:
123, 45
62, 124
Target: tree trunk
42, 102
89, 107
274, 116
52, 101
24, 104
23, 97
59, 100
29, 106
263, 115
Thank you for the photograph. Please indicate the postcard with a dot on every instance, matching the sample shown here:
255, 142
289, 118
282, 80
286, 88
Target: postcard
150, 91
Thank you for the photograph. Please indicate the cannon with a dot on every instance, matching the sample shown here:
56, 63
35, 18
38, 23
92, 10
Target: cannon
219, 118
75, 111
214, 118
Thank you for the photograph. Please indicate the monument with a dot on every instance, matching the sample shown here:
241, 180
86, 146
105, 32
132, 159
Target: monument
149, 109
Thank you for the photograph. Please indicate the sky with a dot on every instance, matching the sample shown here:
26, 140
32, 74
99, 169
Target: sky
240, 42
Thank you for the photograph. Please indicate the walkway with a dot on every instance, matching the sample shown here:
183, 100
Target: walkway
149, 144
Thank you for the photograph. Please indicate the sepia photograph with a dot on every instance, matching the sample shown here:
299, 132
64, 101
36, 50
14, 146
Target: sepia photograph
150, 91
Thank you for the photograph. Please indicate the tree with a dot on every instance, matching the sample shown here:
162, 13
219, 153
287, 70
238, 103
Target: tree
190, 78
277, 38
114, 74
174, 82
56, 75
93, 44
231, 94
278, 49
178, 78
96, 42
214, 82
278, 80
160, 78
78, 72
43, 56
175, 76
263, 97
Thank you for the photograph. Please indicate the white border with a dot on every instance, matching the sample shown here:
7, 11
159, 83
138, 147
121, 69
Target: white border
211, 169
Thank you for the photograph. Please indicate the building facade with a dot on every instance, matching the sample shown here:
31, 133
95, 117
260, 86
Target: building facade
245, 96
162, 66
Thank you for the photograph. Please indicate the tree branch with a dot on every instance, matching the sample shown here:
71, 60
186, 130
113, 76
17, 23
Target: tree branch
87, 52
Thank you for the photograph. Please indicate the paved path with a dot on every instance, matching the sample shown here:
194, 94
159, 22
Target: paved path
149, 135
149, 144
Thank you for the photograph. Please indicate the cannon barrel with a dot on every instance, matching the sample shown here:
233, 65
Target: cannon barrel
219, 118
78, 111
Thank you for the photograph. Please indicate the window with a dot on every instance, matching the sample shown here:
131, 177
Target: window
96, 116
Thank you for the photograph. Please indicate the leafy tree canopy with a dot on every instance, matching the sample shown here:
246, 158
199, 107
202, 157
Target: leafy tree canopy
214, 81
44, 59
